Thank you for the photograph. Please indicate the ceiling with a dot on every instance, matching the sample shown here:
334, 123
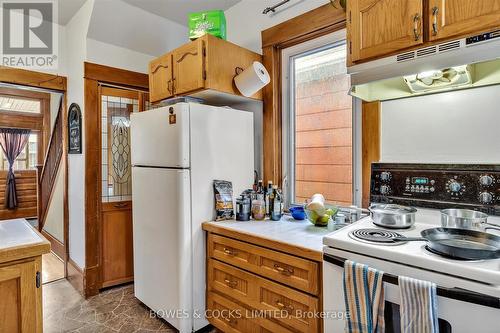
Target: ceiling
68, 8
177, 10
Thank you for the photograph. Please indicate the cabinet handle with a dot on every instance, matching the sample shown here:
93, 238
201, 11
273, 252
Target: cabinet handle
282, 270
416, 20
229, 320
230, 252
282, 306
169, 86
120, 205
231, 284
435, 11
38, 279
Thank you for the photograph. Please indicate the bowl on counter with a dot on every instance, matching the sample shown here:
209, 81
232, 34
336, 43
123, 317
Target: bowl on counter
321, 220
298, 213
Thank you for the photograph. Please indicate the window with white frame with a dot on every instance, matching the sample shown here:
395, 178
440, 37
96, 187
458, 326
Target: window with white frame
318, 121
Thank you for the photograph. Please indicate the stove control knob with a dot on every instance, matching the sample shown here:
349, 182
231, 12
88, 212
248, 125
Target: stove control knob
385, 176
384, 189
486, 180
454, 186
485, 198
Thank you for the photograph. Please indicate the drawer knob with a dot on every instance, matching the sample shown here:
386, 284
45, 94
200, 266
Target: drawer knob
283, 270
231, 284
282, 306
230, 252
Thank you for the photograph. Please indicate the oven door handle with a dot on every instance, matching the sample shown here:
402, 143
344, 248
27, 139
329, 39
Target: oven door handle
458, 294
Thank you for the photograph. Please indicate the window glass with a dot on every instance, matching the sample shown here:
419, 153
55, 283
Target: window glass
116, 163
320, 132
13, 104
28, 159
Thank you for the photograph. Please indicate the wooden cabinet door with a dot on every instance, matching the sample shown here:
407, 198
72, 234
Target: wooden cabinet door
18, 298
449, 18
380, 27
160, 78
189, 71
117, 248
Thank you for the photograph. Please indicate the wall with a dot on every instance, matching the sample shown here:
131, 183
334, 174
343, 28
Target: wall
116, 56
76, 36
54, 221
452, 127
245, 20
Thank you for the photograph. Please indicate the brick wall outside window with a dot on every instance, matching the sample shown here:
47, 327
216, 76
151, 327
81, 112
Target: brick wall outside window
323, 137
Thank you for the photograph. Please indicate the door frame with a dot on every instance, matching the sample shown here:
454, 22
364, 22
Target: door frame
94, 75
57, 83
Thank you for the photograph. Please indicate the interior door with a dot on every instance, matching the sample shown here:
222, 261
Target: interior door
379, 27
116, 183
448, 18
188, 67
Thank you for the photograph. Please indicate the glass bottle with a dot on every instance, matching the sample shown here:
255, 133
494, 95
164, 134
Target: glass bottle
268, 193
276, 204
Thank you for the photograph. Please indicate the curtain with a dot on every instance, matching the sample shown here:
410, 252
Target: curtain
12, 141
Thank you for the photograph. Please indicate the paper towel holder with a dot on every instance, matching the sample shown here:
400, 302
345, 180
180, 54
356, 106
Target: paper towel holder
239, 70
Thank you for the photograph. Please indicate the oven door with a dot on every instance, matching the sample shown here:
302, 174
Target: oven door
457, 315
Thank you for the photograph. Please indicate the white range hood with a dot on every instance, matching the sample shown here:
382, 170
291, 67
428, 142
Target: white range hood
456, 64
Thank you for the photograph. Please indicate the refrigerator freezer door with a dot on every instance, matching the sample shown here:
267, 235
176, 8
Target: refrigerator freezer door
160, 137
222, 147
162, 242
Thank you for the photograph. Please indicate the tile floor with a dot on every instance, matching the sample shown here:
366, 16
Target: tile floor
52, 268
114, 310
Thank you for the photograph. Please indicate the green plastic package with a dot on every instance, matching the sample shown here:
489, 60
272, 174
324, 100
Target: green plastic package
212, 22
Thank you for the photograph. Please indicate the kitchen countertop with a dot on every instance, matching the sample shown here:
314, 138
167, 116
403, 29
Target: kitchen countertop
288, 235
19, 240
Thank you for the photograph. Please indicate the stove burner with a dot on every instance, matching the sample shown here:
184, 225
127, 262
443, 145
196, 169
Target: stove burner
376, 235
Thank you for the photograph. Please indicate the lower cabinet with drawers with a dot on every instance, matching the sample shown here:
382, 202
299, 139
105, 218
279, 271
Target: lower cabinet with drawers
252, 288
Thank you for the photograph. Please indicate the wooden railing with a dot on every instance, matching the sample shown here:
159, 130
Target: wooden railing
48, 172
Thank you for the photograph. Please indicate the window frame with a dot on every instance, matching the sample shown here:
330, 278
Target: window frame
288, 114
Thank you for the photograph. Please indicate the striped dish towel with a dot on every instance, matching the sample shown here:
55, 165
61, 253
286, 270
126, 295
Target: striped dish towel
418, 308
364, 298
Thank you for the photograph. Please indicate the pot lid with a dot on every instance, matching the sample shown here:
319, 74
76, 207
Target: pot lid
392, 209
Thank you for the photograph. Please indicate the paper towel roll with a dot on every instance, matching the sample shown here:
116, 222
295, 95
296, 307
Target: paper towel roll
252, 79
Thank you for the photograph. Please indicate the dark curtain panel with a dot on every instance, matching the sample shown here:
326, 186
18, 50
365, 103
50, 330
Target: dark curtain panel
12, 141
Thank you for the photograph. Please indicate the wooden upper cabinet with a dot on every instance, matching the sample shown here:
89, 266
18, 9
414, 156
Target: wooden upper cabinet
379, 27
203, 68
189, 71
450, 18
160, 78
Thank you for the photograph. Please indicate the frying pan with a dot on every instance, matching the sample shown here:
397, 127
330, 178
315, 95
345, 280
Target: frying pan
459, 243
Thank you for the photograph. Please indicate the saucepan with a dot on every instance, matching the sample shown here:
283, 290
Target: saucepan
457, 243
466, 219
392, 216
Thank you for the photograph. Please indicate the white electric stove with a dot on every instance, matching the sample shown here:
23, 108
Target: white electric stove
468, 291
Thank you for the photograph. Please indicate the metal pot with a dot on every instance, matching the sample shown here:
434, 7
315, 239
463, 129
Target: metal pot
393, 216
466, 219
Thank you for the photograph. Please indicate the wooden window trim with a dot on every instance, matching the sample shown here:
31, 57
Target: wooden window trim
95, 74
315, 23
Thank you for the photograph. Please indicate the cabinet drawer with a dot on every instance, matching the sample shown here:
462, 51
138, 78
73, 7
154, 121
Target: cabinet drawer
290, 307
296, 272
226, 315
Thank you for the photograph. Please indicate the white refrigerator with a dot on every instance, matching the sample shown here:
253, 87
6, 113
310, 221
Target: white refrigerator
177, 153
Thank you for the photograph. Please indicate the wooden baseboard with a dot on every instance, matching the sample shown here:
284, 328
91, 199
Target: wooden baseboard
56, 246
75, 276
